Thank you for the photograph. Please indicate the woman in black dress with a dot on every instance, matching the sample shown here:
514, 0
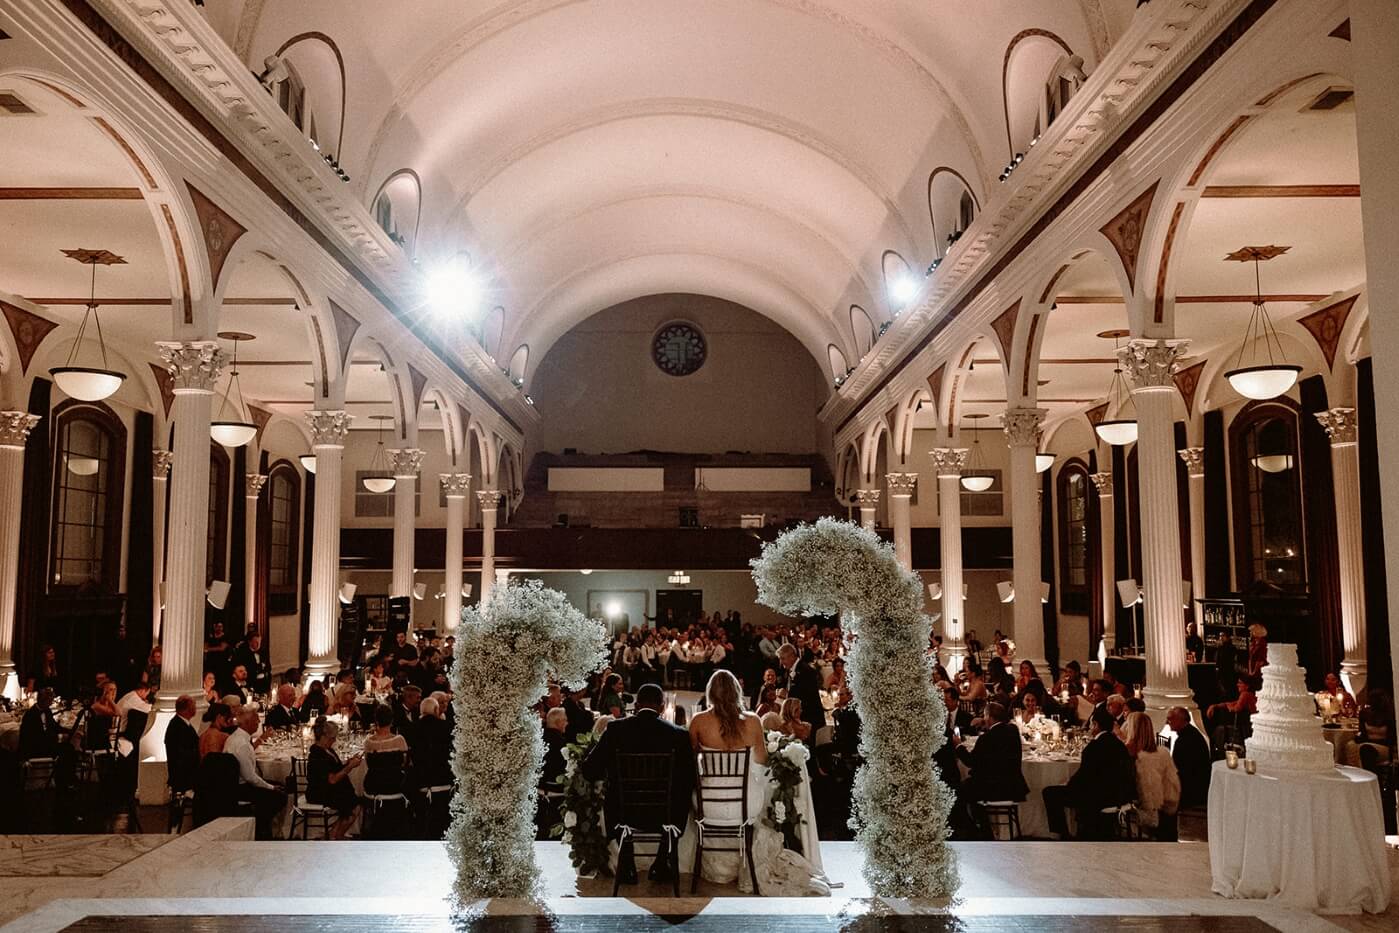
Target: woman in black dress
328, 778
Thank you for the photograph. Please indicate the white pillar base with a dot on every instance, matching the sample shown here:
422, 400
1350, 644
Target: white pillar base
9, 684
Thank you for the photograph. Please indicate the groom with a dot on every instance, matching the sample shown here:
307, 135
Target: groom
644, 732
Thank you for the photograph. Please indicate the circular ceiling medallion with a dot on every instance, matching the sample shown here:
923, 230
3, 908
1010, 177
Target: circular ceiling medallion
679, 349
1117, 333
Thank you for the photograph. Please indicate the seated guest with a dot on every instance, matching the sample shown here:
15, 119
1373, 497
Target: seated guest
974, 681
1029, 709
182, 747
153, 664
1233, 716
580, 718
803, 683
555, 722
995, 771
134, 700
48, 670
1191, 753
250, 656
1116, 705
101, 718
216, 650
432, 746
1071, 675
211, 689
314, 703
1333, 699
611, 703
1025, 676
767, 701
284, 715
1373, 744
1158, 784
958, 718
267, 799
328, 778
792, 722
1105, 778
386, 754
220, 723
946, 757
407, 711
239, 685
769, 680
378, 681
39, 732
345, 703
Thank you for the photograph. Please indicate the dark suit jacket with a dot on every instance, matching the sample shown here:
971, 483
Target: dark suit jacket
405, 721
181, 754
431, 741
806, 686
38, 734
644, 733
280, 718
259, 674
995, 766
1106, 777
1191, 753
554, 762
580, 719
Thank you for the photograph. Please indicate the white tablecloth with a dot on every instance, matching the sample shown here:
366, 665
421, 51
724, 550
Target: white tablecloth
9, 736
1039, 773
1313, 841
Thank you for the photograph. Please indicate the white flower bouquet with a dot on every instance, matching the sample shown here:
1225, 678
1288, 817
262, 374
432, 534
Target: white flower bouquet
787, 757
581, 810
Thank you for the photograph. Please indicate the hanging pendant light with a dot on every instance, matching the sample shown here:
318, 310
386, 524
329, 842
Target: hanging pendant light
975, 476
233, 433
1117, 431
89, 384
308, 462
379, 463
1258, 380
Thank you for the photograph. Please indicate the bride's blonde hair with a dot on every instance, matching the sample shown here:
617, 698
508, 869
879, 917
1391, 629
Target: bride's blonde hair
725, 700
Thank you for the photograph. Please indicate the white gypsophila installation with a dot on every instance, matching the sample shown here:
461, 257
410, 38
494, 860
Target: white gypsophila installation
521, 637
899, 807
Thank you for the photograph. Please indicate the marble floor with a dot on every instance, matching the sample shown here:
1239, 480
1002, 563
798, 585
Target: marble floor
218, 871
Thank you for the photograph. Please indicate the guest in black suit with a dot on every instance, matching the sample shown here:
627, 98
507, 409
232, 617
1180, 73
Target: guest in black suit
431, 742
407, 711
182, 748
1191, 753
1106, 777
250, 654
803, 682
580, 718
645, 732
39, 732
284, 715
555, 722
995, 761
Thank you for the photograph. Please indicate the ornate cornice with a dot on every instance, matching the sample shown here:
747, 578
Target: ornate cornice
328, 428
1151, 364
15, 427
1194, 458
1022, 426
488, 498
405, 462
160, 463
193, 367
948, 461
1340, 425
901, 485
255, 482
455, 485
1102, 482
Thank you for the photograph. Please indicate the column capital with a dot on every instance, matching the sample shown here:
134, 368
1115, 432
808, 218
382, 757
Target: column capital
194, 367
1151, 364
160, 463
488, 498
867, 498
255, 483
1340, 425
1194, 458
1102, 482
901, 484
455, 485
15, 427
1022, 426
405, 462
948, 461
328, 428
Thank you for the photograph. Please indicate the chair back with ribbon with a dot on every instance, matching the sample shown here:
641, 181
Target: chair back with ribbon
723, 788
643, 791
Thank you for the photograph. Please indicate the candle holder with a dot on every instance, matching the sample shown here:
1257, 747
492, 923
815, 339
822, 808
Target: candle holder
1250, 766
1231, 759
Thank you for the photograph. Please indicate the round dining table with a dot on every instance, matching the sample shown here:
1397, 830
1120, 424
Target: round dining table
1041, 770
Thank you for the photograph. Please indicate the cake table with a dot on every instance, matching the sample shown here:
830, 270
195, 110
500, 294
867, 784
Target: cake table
1312, 840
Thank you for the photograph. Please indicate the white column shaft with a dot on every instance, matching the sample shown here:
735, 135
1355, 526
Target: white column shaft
1107, 563
451, 602
487, 551
159, 486
404, 495
1197, 550
867, 517
1345, 475
950, 528
250, 561
182, 635
323, 631
1025, 551
11, 498
900, 515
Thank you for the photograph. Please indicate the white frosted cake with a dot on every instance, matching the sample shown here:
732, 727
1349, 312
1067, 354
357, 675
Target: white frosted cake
1286, 730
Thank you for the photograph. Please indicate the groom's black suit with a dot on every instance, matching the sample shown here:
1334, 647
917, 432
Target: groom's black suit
645, 732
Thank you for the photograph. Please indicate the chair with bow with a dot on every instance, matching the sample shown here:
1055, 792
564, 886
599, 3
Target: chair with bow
644, 800
721, 811
304, 811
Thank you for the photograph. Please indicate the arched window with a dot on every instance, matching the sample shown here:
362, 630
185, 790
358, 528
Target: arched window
518, 361
862, 329
397, 208
1072, 495
215, 556
283, 510
291, 97
88, 483
899, 284
838, 365
966, 212
1265, 469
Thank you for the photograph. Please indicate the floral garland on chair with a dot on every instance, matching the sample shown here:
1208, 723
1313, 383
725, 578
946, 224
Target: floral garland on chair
899, 806
523, 634
787, 758
580, 826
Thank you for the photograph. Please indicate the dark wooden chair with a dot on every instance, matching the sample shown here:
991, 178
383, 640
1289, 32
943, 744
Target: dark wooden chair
643, 796
723, 786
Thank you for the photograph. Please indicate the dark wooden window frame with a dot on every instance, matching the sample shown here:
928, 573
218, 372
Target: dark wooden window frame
282, 598
1073, 597
107, 421
1247, 417
220, 469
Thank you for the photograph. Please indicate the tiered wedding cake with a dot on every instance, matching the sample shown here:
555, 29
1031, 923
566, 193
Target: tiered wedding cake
1286, 730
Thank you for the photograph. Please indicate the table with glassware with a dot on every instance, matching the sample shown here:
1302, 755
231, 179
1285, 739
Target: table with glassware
1340, 733
279, 747
1047, 758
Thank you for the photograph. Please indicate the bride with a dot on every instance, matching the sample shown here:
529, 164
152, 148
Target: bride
725, 726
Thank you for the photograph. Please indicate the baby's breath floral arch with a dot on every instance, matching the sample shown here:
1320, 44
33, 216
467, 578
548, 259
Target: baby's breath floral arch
522, 636
899, 807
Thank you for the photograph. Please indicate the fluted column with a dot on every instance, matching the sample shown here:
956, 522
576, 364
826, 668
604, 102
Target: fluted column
489, 500
948, 463
454, 486
160, 472
1022, 427
14, 432
1340, 425
405, 463
901, 489
1194, 458
194, 370
328, 431
1150, 365
255, 482
1107, 559
868, 501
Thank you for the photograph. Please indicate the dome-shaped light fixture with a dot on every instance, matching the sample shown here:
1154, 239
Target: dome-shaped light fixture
975, 476
1043, 461
1259, 380
83, 466
89, 383
1273, 463
382, 480
233, 432
308, 462
1117, 431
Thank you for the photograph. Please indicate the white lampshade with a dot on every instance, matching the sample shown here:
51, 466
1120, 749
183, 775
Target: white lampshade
347, 592
88, 385
83, 466
441, 591
977, 482
465, 590
1128, 593
308, 462
1273, 463
1263, 382
1117, 433
378, 484
232, 433
935, 591
1185, 594
218, 593
1043, 462
1006, 589
419, 590
1044, 592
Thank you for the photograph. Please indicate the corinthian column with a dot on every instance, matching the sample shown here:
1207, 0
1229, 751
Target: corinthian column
160, 471
868, 501
328, 431
1194, 458
489, 500
1022, 427
194, 370
1340, 426
1107, 559
901, 487
1151, 364
14, 432
454, 487
255, 482
948, 463
405, 463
